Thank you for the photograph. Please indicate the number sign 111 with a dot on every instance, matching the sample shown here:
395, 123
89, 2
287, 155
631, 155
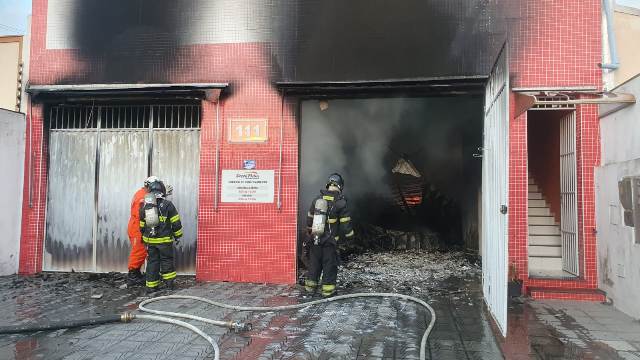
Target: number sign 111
248, 131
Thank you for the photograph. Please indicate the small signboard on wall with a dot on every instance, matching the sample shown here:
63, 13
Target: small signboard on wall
248, 186
244, 131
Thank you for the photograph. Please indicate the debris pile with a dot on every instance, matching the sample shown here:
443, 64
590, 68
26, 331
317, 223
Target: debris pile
375, 238
407, 272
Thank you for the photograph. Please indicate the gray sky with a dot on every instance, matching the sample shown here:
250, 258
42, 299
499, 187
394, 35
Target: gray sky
631, 3
13, 16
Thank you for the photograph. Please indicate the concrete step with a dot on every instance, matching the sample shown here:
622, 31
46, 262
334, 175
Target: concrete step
537, 204
545, 240
533, 188
535, 196
542, 220
545, 251
531, 182
539, 211
545, 263
544, 230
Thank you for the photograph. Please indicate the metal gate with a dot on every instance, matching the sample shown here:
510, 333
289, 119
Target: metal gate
568, 194
175, 161
99, 156
71, 209
495, 191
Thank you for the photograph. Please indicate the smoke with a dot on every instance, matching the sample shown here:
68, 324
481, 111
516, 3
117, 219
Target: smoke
362, 140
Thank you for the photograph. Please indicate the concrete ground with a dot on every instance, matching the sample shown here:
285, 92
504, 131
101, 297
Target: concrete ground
358, 329
552, 329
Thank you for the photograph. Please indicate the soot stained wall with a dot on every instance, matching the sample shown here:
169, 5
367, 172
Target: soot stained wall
308, 40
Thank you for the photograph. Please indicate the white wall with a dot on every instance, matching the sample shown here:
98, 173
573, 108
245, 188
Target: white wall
618, 254
12, 142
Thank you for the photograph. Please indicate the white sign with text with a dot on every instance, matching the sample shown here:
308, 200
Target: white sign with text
248, 186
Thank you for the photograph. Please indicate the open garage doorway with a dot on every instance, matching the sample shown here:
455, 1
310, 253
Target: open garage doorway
411, 166
425, 164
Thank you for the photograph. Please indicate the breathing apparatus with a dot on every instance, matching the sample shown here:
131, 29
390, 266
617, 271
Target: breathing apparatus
151, 216
319, 219
157, 191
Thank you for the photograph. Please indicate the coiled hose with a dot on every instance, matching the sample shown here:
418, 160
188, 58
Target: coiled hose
166, 317
242, 327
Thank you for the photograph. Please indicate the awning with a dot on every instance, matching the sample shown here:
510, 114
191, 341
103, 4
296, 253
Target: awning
210, 91
438, 86
549, 99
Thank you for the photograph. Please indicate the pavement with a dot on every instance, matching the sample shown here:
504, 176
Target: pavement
357, 329
553, 329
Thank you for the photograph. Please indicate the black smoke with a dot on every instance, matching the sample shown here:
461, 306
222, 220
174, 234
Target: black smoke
364, 138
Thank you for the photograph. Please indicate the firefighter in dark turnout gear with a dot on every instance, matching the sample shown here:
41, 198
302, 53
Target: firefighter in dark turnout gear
160, 225
336, 224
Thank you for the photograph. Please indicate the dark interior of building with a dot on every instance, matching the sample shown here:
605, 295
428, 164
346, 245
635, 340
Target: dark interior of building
411, 168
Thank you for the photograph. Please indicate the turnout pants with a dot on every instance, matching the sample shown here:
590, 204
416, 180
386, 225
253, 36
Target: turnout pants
323, 261
138, 253
160, 263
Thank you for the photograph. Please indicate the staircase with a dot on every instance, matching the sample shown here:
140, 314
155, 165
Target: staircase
545, 242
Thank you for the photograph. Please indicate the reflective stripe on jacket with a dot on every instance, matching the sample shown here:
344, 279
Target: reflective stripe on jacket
170, 226
338, 217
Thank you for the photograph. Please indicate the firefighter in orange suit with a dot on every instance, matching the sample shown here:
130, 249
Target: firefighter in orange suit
138, 251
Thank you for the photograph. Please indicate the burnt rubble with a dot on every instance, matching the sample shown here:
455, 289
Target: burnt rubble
414, 271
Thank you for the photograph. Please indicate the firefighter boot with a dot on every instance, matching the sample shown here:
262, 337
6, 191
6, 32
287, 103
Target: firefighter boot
135, 278
169, 285
328, 290
309, 288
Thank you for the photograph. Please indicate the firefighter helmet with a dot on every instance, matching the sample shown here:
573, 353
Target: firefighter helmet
150, 180
158, 188
335, 179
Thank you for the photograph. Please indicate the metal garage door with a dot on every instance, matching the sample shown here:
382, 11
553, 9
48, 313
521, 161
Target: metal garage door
70, 201
99, 157
495, 192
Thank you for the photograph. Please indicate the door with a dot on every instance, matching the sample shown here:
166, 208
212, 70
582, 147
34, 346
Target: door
495, 191
71, 209
123, 167
568, 195
176, 159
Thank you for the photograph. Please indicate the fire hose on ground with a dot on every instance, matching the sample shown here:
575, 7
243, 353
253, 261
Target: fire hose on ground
166, 316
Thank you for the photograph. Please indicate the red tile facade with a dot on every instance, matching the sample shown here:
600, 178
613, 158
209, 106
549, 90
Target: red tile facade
558, 295
251, 243
555, 44
34, 199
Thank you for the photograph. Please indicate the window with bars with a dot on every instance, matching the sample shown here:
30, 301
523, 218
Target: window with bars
87, 117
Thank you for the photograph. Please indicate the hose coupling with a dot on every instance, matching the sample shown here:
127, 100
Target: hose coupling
127, 317
241, 327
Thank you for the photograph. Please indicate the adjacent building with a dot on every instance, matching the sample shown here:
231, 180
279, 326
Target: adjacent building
618, 176
11, 62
